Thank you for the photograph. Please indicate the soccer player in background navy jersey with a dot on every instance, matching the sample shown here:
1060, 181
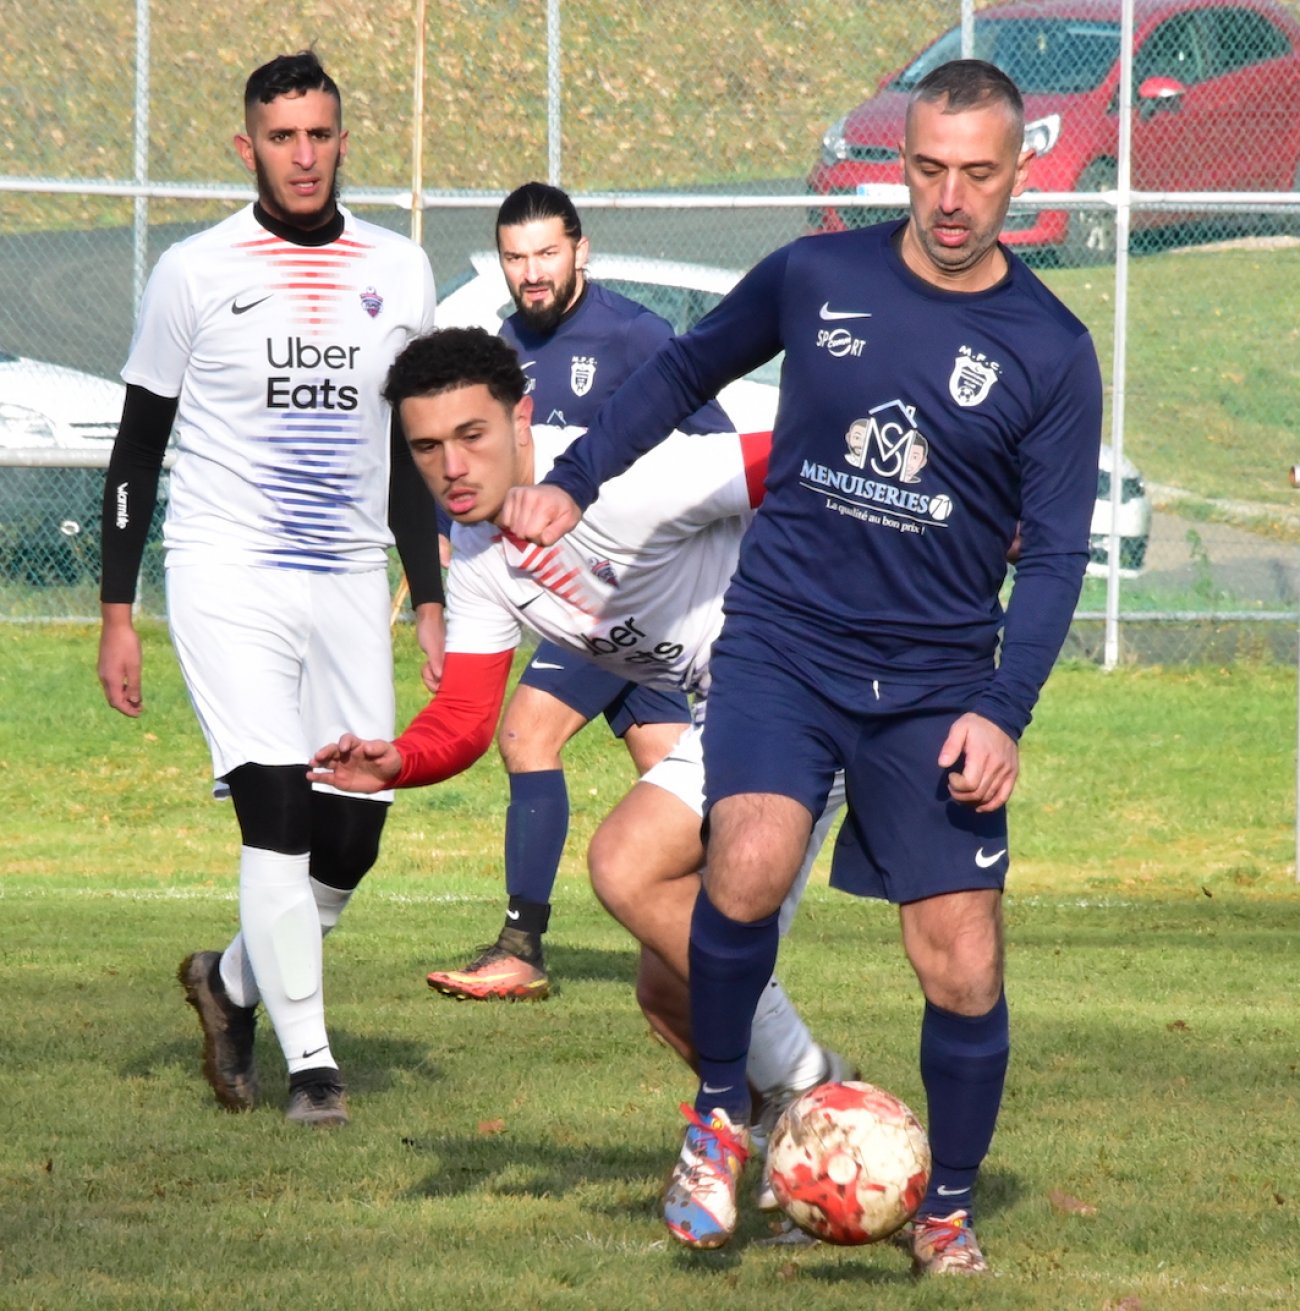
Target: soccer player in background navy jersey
577, 341
934, 394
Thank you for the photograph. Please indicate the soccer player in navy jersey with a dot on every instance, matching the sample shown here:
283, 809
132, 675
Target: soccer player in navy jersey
577, 341
862, 622
266, 340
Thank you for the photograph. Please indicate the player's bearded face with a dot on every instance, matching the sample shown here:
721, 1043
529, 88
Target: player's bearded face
962, 170
544, 270
295, 146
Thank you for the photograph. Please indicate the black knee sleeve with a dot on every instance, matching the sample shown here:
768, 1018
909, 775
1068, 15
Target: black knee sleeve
273, 806
344, 838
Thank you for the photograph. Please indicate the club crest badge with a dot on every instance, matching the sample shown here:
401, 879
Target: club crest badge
604, 570
973, 376
372, 302
582, 373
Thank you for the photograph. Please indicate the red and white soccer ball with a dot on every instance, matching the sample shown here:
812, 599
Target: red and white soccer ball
849, 1163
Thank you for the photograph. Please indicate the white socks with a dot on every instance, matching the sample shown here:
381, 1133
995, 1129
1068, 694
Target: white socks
278, 951
782, 1053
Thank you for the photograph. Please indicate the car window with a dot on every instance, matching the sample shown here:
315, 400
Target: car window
1063, 55
1175, 49
1238, 37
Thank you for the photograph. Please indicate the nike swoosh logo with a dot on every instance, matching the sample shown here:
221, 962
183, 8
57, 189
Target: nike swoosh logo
831, 316
951, 1192
512, 914
984, 861
528, 364
542, 664
237, 308
710, 1090
523, 605
314, 1051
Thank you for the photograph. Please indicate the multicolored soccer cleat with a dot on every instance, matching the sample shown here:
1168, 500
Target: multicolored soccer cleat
700, 1198
945, 1245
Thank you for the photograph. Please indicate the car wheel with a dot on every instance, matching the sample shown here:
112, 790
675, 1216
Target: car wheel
1090, 237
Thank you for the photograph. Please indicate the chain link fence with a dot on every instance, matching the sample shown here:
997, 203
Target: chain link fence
706, 134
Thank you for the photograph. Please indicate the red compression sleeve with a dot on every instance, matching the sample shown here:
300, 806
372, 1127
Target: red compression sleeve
756, 448
456, 727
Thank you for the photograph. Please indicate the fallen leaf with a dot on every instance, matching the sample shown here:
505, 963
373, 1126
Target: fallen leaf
1070, 1205
1179, 1026
1124, 1304
491, 1126
788, 1273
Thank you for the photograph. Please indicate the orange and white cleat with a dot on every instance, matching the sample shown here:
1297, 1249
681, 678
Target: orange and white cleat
508, 970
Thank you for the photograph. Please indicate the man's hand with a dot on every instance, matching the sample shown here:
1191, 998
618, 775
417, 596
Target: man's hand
990, 766
119, 660
431, 633
541, 513
356, 766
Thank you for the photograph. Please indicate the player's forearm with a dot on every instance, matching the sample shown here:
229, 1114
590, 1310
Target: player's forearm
131, 490
456, 727
412, 516
1037, 623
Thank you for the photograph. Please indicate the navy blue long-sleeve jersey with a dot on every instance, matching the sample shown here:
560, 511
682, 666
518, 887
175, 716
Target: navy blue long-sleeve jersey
599, 342
916, 428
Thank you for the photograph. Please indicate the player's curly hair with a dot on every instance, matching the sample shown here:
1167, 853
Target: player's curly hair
449, 358
289, 75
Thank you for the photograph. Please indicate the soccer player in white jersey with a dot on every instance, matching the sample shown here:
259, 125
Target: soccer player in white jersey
637, 588
266, 340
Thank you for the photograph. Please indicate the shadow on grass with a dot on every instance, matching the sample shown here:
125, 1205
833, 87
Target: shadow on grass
507, 1166
370, 1062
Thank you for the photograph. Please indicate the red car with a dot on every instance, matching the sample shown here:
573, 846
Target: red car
1216, 108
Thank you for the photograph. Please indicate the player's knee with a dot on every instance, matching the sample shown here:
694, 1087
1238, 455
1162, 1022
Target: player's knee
613, 872
273, 807
527, 746
344, 838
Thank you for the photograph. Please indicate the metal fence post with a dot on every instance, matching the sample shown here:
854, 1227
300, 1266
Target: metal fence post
554, 124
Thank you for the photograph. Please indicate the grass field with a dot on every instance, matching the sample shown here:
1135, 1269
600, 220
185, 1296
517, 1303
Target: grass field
1146, 1155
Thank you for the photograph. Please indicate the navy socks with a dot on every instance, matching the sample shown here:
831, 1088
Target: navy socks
730, 964
963, 1066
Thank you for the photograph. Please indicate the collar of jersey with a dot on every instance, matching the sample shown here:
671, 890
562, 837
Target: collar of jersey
332, 230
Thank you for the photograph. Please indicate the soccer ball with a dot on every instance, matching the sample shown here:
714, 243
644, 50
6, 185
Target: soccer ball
849, 1163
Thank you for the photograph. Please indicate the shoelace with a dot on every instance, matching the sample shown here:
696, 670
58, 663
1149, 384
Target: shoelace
728, 1140
943, 1232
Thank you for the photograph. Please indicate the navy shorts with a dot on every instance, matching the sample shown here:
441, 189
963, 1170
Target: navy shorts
770, 729
591, 690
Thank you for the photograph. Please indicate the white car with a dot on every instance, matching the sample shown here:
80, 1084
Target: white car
1134, 519
49, 515
684, 293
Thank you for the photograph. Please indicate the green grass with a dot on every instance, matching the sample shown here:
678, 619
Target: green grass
515, 1153
1211, 364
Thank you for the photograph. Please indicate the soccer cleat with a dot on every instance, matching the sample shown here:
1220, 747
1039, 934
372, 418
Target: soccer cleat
945, 1245
511, 969
835, 1069
317, 1097
700, 1199
228, 1063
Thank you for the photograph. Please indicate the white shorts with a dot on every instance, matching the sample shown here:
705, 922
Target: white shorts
681, 773
278, 662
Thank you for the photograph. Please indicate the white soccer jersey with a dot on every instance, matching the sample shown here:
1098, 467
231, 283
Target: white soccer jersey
636, 587
278, 352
